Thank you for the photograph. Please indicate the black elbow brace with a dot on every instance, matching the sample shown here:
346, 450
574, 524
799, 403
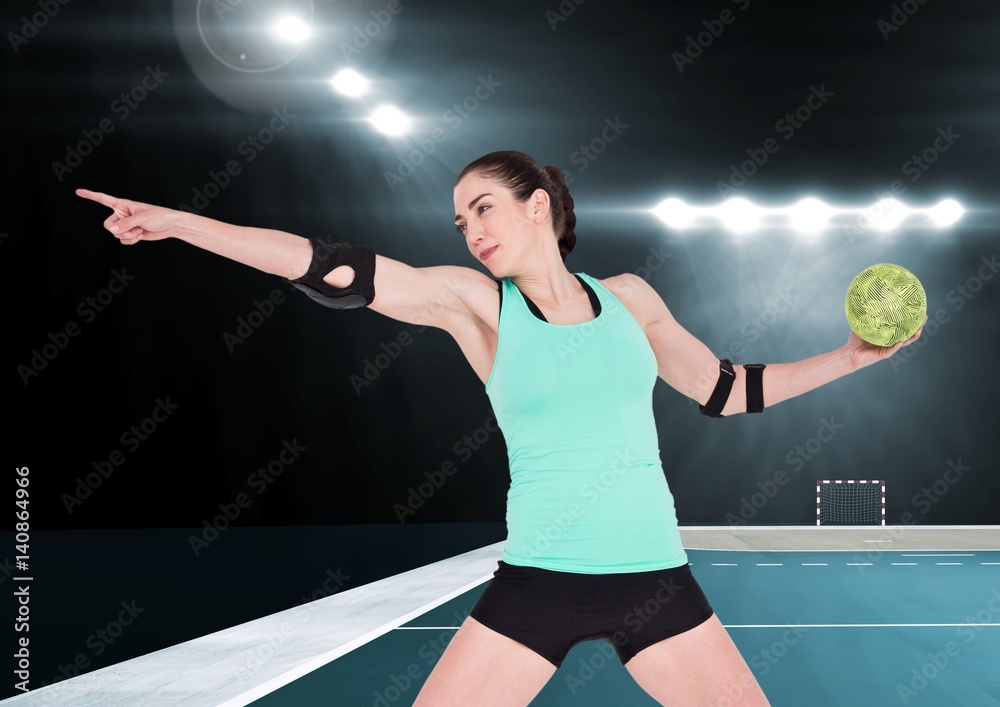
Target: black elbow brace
327, 257
713, 408
754, 375
755, 386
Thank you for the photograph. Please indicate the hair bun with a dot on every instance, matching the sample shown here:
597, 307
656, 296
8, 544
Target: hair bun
567, 241
523, 175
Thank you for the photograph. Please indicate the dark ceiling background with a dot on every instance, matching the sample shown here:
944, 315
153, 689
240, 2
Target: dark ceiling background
549, 81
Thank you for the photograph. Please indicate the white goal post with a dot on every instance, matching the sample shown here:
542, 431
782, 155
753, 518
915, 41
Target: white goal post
850, 502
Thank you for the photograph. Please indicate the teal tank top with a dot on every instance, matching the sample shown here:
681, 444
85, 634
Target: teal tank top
574, 402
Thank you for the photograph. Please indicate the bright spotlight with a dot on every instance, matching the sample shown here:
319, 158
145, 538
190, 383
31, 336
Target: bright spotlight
390, 120
349, 83
739, 215
292, 29
887, 214
946, 212
810, 215
675, 213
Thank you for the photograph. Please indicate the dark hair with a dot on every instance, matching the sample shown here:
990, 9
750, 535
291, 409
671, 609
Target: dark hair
522, 175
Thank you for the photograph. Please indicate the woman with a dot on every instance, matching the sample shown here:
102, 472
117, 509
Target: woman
569, 363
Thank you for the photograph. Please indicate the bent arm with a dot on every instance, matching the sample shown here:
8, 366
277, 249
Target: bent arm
689, 366
782, 381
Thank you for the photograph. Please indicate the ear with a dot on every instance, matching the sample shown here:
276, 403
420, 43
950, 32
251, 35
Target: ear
539, 204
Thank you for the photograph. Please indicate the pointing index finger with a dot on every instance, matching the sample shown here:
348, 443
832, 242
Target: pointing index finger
100, 198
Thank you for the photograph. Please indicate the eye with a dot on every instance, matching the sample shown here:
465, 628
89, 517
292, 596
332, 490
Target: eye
478, 210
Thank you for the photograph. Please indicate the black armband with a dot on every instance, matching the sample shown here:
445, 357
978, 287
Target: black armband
713, 408
327, 257
755, 386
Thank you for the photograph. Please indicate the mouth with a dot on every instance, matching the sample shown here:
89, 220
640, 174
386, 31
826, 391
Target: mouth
489, 251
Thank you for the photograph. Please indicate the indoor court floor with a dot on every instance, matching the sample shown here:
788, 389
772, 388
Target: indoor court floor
884, 615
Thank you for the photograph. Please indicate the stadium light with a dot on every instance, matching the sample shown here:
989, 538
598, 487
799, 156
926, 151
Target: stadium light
807, 216
390, 120
738, 215
292, 29
349, 83
887, 214
946, 212
810, 215
675, 213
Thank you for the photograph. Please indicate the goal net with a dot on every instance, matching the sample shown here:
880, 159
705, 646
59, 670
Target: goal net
850, 502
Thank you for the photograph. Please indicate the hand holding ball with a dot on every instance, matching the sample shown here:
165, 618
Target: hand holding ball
885, 304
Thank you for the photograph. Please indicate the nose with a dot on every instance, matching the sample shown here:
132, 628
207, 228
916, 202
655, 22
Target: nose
475, 233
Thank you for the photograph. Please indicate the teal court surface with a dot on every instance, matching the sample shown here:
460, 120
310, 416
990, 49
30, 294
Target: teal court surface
824, 616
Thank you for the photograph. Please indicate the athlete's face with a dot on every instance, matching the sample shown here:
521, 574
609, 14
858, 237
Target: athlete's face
489, 217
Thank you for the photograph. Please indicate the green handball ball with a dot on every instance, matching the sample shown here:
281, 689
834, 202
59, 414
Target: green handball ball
885, 304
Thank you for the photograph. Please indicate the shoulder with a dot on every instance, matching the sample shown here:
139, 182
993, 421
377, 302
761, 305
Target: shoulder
479, 291
636, 294
627, 283
640, 298
468, 277
466, 283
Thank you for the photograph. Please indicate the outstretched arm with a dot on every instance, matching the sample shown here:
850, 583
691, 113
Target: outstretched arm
436, 296
274, 252
689, 366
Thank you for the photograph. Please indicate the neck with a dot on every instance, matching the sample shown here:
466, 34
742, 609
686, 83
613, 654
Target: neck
550, 284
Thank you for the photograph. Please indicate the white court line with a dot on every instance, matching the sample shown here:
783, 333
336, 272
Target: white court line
209, 671
842, 528
941, 554
445, 628
455, 628
851, 625
848, 564
800, 550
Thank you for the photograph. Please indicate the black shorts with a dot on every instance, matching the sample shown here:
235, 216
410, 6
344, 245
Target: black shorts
550, 612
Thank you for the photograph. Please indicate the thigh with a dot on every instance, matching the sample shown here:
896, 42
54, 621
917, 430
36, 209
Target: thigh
652, 606
701, 666
483, 667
